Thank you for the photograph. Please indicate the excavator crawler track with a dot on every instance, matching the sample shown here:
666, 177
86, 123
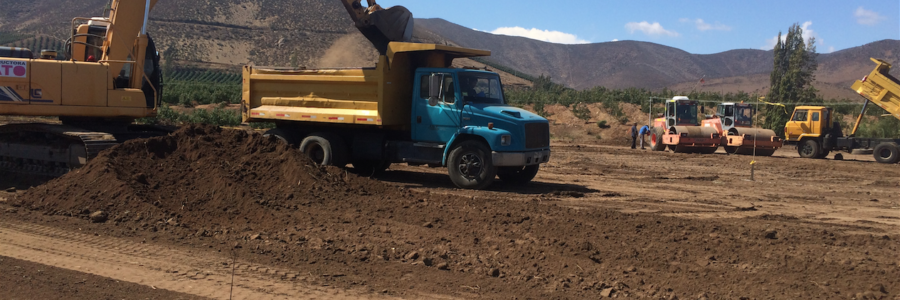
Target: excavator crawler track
54, 150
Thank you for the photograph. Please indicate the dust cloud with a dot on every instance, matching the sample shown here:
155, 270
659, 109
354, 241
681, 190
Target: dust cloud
352, 50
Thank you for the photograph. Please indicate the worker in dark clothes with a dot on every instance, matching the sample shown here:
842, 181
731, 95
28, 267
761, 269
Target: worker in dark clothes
645, 130
634, 134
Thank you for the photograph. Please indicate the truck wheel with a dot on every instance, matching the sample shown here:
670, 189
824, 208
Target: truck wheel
887, 153
325, 149
281, 135
518, 175
809, 149
656, 140
470, 165
370, 167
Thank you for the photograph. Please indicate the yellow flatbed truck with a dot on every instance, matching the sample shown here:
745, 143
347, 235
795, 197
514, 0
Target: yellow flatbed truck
411, 108
815, 133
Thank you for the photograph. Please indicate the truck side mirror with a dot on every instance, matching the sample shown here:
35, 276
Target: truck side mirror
435, 82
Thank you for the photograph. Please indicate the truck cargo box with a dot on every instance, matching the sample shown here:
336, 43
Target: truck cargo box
379, 96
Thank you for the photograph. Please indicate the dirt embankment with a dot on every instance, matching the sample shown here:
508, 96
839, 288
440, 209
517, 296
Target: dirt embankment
566, 127
233, 190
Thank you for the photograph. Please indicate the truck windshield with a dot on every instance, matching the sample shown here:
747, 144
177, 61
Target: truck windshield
686, 113
481, 88
743, 116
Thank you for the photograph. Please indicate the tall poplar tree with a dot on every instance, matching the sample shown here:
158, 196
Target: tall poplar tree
792, 78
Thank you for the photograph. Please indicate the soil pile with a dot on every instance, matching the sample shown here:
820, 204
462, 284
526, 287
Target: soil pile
234, 190
198, 176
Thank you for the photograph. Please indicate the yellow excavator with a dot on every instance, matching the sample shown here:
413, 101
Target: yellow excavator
110, 77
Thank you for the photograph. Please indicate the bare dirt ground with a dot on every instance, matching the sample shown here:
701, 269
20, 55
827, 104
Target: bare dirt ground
599, 221
856, 192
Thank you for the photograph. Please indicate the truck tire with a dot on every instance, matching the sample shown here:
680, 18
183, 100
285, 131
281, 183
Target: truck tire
370, 167
809, 149
282, 135
656, 140
325, 149
887, 153
470, 165
518, 175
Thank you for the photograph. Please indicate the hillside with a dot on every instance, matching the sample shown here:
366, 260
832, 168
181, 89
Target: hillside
314, 33
218, 33
647, 65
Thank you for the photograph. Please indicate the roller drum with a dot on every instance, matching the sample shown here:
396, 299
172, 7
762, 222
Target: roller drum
757, 133
708, 144
762, 137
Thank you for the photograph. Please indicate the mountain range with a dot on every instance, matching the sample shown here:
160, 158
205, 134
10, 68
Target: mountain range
623, 64
314, 33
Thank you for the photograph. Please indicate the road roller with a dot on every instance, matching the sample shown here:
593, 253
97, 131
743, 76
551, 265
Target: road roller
734, 123
680, 131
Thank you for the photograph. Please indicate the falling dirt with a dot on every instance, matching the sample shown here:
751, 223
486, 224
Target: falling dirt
350, 51
227, 190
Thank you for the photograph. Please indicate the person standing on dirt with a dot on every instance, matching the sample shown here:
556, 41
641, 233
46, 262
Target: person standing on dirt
645, 130
634, 134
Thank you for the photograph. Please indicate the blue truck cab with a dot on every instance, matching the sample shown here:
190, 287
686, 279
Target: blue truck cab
464, 114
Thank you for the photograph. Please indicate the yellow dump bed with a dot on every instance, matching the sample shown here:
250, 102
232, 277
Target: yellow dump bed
881, 88
377, 96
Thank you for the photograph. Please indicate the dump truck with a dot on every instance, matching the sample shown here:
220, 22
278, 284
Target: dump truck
411, 108
109, 77
734, 123
817, 134
680, 130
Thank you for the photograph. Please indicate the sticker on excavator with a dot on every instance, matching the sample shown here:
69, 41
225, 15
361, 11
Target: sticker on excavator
13, 68
9, 94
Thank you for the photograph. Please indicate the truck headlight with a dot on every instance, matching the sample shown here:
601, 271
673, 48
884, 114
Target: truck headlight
505, 140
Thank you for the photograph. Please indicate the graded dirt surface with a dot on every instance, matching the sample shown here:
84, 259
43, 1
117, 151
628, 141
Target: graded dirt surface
27, 280
598, 221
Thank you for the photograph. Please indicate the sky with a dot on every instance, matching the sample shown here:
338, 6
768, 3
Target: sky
699, 27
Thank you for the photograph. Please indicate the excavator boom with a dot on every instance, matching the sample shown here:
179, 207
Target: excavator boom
381, 26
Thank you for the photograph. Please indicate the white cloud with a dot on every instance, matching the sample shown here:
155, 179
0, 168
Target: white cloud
867, 17
703, 26
615, 40
808, 32
649, 29
541, 35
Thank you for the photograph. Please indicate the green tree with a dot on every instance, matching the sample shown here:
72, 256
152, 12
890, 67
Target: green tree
792, 77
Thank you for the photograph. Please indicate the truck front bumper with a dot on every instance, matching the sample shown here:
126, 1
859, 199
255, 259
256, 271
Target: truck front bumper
518, 159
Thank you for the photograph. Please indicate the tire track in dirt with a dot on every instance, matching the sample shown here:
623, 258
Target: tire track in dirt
194, 273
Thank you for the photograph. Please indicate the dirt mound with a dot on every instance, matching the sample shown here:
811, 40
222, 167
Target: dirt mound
198, 176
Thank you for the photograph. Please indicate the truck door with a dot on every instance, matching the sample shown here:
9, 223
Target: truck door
815, 124
798, 125
437, 121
